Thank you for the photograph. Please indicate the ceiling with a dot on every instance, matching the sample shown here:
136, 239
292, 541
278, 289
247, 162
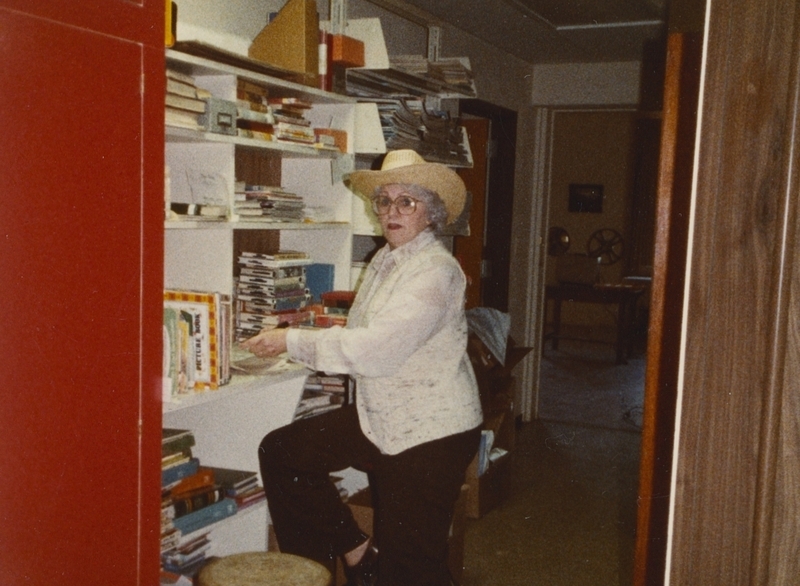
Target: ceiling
548, 31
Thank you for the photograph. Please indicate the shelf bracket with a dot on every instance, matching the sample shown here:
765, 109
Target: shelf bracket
434, 41
338, 14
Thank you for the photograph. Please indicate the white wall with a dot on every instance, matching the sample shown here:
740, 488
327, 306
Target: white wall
586, 84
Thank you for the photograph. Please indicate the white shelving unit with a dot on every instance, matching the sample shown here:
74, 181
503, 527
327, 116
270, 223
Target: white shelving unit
229, 423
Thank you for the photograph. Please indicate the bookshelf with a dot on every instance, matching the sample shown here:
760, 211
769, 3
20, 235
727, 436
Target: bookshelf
230, 422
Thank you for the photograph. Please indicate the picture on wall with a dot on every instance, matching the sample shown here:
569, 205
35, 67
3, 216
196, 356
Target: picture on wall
585, 197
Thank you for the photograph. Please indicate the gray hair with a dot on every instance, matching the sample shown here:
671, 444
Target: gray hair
437, 212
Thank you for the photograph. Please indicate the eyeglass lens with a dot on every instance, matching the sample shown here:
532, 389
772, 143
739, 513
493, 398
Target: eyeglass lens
405, 205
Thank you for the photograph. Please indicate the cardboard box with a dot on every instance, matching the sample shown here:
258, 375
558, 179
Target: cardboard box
493, 486
497, 388
291, 40
339, 137
347, 51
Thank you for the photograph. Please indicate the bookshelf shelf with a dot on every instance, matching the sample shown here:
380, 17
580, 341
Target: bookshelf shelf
218, 62
397, 83
252, 225
178, 135
239, 385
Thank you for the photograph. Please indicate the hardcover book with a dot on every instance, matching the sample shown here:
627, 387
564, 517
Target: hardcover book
174, 441
172, 475
206, 516
202, 479
202, 307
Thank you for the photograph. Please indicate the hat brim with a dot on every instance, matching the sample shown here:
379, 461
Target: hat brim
432, 176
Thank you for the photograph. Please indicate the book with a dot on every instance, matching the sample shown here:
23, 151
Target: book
233, 480
203, 478
185, 103
193, 501
181, 88
285, 102
182, 119
250, 497
176, 440
201, 308
174, 459
173, 474
180, 76
171, 354
257, 270
319, 279
196, 209
206, 516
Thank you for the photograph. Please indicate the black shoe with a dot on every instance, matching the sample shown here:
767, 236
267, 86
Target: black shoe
365, 572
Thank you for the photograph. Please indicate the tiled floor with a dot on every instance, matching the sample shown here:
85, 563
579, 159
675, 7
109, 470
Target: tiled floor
571, 514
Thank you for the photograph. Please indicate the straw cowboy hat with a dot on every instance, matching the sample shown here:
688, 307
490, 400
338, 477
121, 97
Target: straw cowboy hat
406, 166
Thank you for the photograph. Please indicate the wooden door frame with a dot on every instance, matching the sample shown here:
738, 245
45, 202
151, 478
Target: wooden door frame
499, 196
536, 308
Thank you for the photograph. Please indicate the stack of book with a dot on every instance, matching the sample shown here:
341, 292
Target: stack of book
240, 485
442, 138
437, 137
267, 203
254, 117
401, 121
322, 393
455, 72
291, 124
415, 64
335, 309
184, 101
198, 332
191, 501
271, 290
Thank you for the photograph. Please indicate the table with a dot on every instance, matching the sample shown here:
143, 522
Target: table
624, 295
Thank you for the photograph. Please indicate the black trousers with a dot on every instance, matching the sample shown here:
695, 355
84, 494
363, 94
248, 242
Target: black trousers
413, 495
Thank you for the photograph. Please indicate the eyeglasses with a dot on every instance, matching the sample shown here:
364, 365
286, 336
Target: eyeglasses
405, 205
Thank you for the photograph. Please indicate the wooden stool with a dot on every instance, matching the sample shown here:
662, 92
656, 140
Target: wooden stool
264, 568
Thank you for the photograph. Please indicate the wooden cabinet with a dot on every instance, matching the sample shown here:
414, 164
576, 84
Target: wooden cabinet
81, 259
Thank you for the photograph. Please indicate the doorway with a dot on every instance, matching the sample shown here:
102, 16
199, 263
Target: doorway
582, 392
486, 253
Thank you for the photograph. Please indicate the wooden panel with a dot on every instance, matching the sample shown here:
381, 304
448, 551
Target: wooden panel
666, 303
736, 343
469, 249
82, 229
139, 20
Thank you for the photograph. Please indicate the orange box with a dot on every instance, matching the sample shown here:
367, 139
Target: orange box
339, 137
347, 51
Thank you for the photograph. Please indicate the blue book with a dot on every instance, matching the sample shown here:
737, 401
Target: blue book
173, 474
319, 280
205, 516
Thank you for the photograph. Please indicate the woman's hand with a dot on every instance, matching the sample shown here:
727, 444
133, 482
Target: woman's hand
267, 343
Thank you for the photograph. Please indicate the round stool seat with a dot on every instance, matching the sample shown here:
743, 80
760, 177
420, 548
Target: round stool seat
264, 568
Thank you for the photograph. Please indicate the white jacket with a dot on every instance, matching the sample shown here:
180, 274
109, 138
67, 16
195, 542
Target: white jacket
405, 344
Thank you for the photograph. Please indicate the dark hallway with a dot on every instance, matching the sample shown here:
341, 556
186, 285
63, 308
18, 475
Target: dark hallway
571, 514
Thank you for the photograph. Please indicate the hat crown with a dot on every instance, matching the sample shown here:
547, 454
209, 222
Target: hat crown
401, 158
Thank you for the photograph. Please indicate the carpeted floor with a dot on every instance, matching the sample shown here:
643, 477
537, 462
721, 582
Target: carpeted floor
581, 383
571, 513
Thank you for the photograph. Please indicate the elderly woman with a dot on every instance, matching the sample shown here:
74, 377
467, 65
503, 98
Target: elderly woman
416, 421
